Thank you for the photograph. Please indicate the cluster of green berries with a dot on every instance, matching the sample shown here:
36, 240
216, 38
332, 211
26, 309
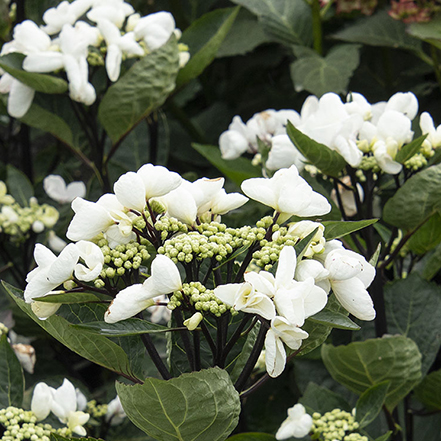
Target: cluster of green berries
3, 329
20, 424
369, 163
201, 298
120, 259
336, 425
211, 240
168, 226
96, 410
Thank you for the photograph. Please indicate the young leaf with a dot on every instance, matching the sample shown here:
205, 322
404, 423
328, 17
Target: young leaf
429, 391
19, 186
203, 38
415, 201
142, 89
338, 229
410, 149
237, 170
334, 320
122, 329
11, 376
200, 405
326, 160
360, 365
370, 403
374, 259
11, 63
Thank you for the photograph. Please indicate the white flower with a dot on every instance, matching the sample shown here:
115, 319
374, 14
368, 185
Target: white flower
243, 297
155, 29
160, 313
403, 102
288, 193
193, 322
56, 244
232, 143
347, 196
281, 331
303, 229
51, 271
115, 11
44, 310
297, 425
117, 46
93, 257
26, 356
428, 127
130, 301
115, 412
56, 188
283, 154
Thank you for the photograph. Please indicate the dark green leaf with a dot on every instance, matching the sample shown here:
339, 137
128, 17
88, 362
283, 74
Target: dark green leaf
11, 63
234, 255
370, 403
374, 259
201, 406
429, 31
302, 246
360, 365
124, 328
237, 170
432, 265
252, 436
287, 21
410, 149
379, 30
320, 399
337, 229
57, 437
73, 297
413, 309
385, 437
427, 237
334, 320
98, 349
429, 391
331, 73
204, 37
143, 88
11, 376
19, 186
326, 160
417, 200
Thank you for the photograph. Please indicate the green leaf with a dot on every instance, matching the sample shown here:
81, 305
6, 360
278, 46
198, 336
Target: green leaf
320, 399
328, 161
337, 229
413, 309
301, 247
202, 406
379, 30
98, 349
56, 437
244, 36
410, 149
429, 391
11, 376
122, 329
432, 265
252, 436
360, 365
11, 63
427, 237
417, 200
237, 170
429, 32
370, 403
234, 256
318, 334
143, 88
331, 73
203, 38
70, 298
374, 259
287, 21
334, 320
19, 186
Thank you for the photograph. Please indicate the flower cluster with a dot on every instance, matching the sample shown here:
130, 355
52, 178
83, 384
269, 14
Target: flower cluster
79, 34
17, 221
334, 425
410, 11
368, 136
155, 213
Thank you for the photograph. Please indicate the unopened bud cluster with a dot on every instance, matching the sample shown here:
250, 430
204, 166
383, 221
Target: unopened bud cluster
18, 221
20, 424
201, 298
168, 226
212, 240
96, 410
336, 425
3, 329
120, 259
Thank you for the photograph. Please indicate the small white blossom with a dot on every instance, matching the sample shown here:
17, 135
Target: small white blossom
297, 425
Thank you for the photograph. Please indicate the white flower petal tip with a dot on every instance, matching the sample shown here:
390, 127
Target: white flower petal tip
297, 425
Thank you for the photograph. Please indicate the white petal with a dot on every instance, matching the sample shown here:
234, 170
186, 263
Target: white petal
43, 62
263, 282
20, 99
65, 400
130, 191
275, 355
227, 293
55, 188
75, 189
113, 61
286, 267
165, 277
44, 310
158, 181
41, 401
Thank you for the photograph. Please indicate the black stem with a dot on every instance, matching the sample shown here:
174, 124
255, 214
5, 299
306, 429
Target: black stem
197, 350
154, 355
177, 314
209, 339
377, 294
235, 337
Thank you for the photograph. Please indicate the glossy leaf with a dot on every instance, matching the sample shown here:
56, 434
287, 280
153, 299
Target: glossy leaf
410, 149
142, 89
338, 229
325, 159
70, 298
11, 376
334, 319
361, 365
203, 38
202, 406
370, 403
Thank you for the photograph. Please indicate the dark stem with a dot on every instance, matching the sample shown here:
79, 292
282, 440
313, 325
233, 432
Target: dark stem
152, 351
177, 314
246, 262
153, 130
235, 337
408, 416
209, 339
197, 350
377, 294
